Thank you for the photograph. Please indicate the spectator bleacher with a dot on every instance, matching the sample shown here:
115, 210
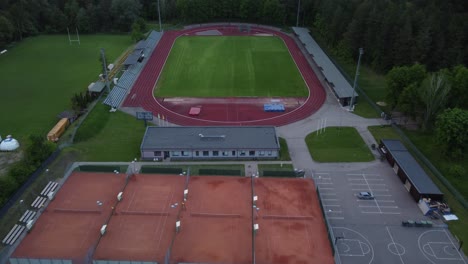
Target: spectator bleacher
127, 79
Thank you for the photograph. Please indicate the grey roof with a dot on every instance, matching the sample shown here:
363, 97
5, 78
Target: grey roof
341, 86
411, 167
133, 57
209, 138
140, 45
97, 87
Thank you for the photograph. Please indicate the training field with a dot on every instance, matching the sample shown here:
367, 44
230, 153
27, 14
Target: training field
39, 76
229, 66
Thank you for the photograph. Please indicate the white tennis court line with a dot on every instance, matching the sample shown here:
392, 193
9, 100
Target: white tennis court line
393, 241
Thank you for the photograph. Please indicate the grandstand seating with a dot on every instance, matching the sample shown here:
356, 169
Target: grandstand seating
126, 81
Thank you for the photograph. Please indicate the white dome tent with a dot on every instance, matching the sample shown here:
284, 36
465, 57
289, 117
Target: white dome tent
9, 144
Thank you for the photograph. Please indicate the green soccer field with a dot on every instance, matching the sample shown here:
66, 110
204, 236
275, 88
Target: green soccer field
200, 66
39, 76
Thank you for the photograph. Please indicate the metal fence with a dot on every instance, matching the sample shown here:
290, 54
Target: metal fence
331, 235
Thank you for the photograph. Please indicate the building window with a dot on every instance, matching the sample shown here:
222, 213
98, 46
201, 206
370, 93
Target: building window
233, 152
262, 153
252, 153
215, 153
206, 153
175, 153
225, 153
269, 153
157, 153
185, 153
197, 153
242, 153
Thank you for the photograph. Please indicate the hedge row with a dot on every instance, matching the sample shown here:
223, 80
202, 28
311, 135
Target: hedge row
219, 172
97, 168
279, 173
162, 170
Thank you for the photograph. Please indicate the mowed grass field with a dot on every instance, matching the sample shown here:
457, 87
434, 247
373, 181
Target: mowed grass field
40, 74
227, 66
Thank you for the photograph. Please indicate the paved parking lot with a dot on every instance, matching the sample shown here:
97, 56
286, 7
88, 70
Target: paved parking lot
370, 231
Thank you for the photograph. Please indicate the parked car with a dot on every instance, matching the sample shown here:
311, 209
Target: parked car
365, 196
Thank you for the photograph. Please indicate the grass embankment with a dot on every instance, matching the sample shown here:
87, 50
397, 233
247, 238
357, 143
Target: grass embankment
105, 136
426, 144
284, 150
230, 66
40, 75
338, 144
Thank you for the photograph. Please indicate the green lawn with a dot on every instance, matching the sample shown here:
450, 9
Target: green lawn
284, 150
338, 144
105, 136
200, 66
40, 74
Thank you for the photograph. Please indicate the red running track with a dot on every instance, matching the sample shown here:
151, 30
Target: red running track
141, 94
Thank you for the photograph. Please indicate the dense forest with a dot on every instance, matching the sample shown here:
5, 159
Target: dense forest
422, 44
392, 32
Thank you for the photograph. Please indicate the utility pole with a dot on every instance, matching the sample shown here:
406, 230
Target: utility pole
361, 51
298, 9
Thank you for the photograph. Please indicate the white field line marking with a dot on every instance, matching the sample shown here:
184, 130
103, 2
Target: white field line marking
393, 241
445, 231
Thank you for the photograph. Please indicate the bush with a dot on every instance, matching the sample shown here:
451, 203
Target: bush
457, 171
8, 185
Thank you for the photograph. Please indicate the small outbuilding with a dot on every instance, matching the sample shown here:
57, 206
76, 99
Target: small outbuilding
198, 143
415, 179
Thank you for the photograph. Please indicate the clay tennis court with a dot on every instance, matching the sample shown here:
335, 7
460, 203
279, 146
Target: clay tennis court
291, 226
216, 221
216, 225
143, 223
69, 227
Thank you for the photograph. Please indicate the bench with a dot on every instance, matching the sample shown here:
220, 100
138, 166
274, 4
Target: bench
28, 215
13, 235
49, 188
39, 202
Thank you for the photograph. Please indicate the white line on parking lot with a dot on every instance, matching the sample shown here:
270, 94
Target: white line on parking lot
362, 175
366, 212
320, 183
363, 179
379, 206
328, 194
380, 201
323, 188
334, 212
336, 217
329, 199
373, 190
331, 205
367, 184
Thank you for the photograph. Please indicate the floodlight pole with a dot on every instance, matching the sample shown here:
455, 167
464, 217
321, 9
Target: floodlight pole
361, 51
104, 66
298, 9
159, 15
